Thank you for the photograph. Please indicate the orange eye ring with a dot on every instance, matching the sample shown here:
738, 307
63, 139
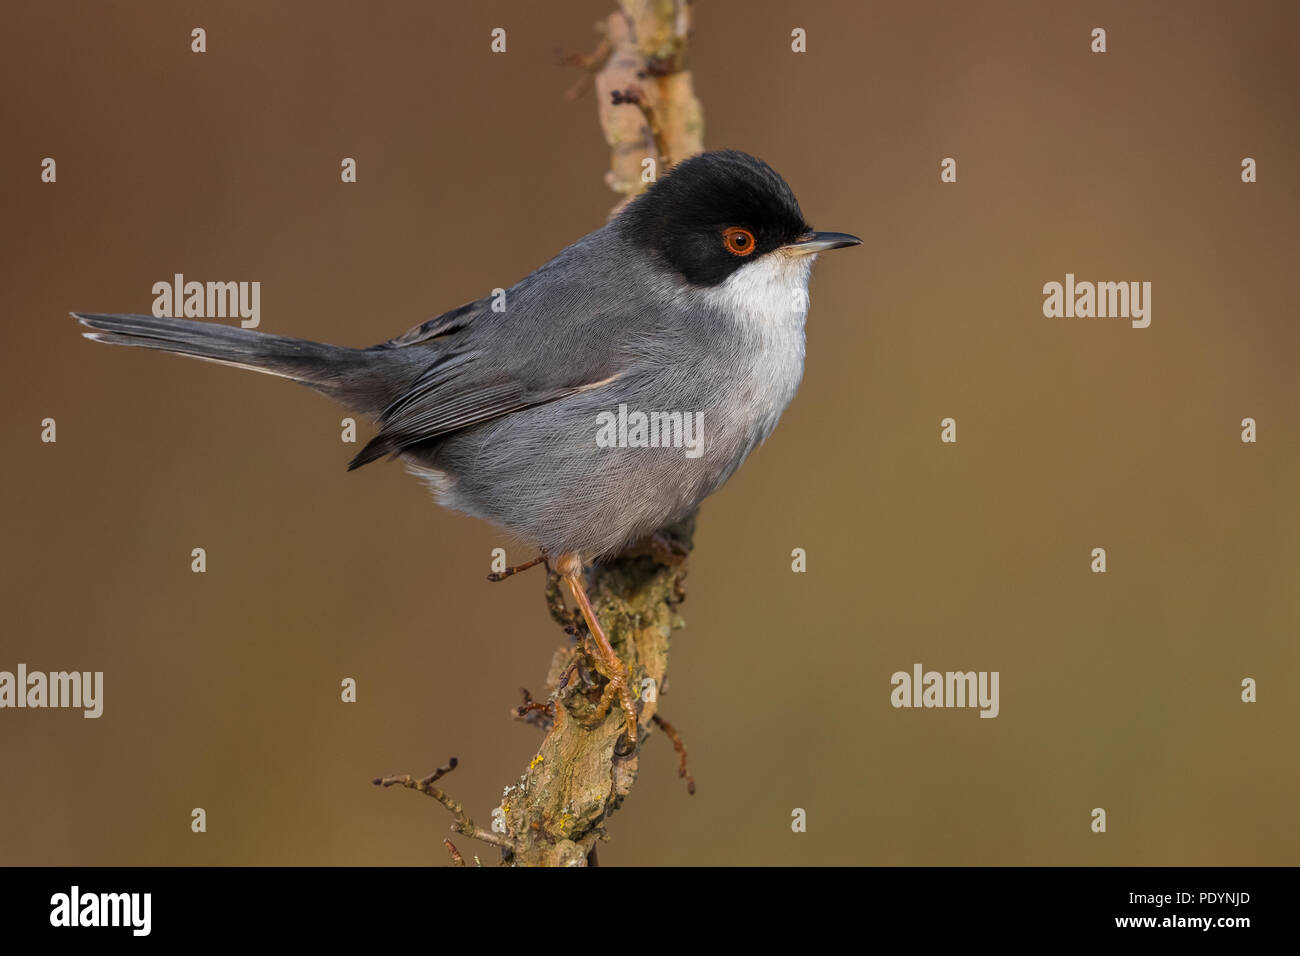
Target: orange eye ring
739, 241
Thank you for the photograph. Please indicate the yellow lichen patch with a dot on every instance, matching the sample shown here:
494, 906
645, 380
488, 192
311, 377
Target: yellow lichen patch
536, 760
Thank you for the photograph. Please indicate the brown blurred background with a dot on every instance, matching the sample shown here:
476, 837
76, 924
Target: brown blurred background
222, 690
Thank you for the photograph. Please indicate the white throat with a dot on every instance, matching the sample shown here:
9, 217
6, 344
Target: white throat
769, 296
768, 300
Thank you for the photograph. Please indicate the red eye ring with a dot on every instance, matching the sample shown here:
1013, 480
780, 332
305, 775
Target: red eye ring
739, 241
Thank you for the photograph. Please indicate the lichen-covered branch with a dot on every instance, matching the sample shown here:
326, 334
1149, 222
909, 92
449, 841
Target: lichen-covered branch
557, 810
644, 49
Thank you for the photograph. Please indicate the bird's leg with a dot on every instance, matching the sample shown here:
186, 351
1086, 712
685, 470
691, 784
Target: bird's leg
570, 567
502, 575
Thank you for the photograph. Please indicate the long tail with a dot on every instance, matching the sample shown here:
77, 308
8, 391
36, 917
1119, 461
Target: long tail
366, 380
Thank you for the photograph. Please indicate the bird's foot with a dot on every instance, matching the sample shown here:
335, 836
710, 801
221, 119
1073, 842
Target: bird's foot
617, 676
617, 687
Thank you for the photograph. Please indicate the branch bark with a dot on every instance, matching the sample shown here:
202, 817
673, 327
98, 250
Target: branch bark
647, 42
556, 811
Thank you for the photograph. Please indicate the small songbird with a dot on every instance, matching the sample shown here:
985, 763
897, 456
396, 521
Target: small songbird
603, 396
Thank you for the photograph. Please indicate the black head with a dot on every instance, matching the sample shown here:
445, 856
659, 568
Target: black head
715, 213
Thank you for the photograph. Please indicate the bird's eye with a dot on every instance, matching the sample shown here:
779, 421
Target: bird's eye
739, 242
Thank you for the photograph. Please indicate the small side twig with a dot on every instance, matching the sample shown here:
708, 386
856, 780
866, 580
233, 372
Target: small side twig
540, 715
508, 572
590, 64
671, 733
633, 96
456, 858
463, 825
560, 613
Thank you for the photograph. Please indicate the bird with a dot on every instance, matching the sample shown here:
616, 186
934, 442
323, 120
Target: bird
532, 407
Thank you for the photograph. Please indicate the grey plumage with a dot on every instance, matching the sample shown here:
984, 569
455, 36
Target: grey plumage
359, 378
498, 410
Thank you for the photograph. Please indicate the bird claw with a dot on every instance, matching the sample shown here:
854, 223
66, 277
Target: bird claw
618, 688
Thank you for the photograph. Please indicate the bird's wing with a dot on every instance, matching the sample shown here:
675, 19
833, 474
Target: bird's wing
459, 389
560, 331
483, 365
445, 324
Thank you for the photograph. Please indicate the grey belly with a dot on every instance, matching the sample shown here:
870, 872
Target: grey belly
541, 473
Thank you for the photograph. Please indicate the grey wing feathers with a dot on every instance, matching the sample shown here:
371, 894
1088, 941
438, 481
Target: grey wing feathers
443, 402
560, 337
444, 324
460, 388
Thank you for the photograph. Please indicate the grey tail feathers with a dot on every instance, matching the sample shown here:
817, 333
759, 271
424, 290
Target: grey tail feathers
365, 380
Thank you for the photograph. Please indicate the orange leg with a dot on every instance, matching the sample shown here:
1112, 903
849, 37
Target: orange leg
570, 568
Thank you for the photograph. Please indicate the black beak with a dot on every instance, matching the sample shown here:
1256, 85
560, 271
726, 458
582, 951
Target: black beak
821, 241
